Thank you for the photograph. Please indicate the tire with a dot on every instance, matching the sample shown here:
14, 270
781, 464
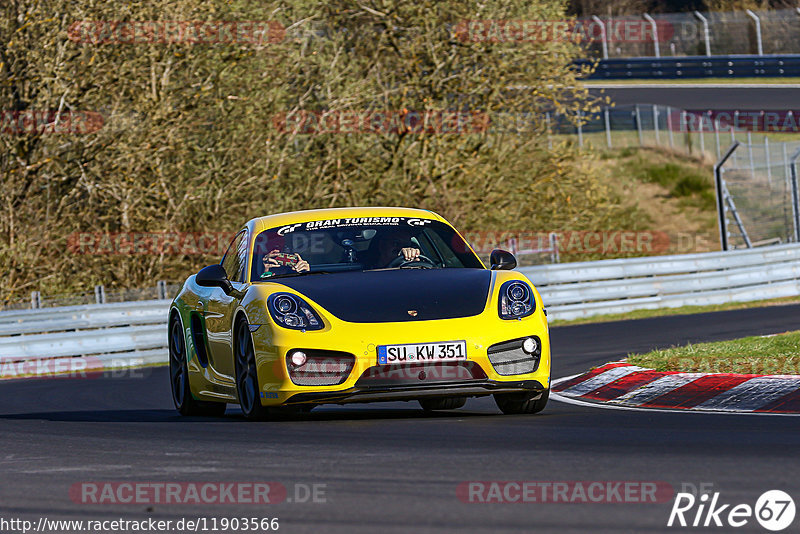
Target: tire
247, 386
514, 403
182, 396
446, 403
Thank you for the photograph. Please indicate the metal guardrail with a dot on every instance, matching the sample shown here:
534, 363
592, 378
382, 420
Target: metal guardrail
82, 339
687, 67
574, 290
134, 333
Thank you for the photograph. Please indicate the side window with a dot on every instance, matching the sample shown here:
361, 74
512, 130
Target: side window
232, 262
242, 253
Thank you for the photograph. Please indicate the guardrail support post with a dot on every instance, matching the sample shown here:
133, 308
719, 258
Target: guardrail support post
706, 32
603, 35
162, 290
795, 198
653, 25
720, 189
759, 43
36, 300
100, 294
554, 247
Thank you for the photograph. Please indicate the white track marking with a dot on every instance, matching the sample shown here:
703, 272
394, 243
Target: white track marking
601, 380
605, 406
656, 388
601, 85
752, 395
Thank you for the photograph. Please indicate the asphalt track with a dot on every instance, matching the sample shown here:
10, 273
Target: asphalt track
389, 468
728, 97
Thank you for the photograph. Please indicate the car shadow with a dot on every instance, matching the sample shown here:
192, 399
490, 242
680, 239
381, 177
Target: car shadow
235, 416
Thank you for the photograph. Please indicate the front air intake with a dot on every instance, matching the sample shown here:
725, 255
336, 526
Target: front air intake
319, 367
509, 357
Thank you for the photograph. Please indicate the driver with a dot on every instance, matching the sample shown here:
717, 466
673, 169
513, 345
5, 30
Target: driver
393, 245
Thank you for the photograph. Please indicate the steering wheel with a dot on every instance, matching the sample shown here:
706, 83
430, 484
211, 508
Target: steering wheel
401, 261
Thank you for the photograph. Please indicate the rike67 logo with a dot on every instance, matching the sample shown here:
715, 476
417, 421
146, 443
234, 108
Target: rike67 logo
774, 510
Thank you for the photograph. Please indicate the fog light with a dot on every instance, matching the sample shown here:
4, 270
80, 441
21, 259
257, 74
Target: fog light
298, 359
530, 345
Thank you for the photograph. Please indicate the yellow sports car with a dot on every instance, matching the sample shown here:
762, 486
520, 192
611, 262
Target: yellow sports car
356, 305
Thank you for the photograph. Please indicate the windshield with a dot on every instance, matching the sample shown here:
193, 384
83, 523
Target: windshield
359, 244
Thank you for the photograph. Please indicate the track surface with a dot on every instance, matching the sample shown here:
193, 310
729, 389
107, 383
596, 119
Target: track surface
699, 97
388, 467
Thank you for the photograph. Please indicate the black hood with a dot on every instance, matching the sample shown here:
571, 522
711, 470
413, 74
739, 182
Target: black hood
389, 296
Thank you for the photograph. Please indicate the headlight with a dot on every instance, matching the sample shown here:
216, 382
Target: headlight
290, 311
516, 300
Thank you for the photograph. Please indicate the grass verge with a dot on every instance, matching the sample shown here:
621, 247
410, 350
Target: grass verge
770, 355
683, 310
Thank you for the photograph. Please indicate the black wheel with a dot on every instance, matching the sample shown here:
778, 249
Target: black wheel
446, 403
514, 403
246, 375
185, 403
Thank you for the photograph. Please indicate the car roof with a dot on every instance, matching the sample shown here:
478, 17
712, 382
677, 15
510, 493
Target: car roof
260, 224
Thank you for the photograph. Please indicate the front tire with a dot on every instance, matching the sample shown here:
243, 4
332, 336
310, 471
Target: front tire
446, 403
247, 386
513, 403
185, 403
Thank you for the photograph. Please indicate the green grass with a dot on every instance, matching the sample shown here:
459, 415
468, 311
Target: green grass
779, 354
697, 81
682, 181
683, 310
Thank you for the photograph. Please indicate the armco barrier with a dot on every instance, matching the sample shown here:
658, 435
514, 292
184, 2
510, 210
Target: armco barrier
574, 290
110, 336
695, 67
135, 333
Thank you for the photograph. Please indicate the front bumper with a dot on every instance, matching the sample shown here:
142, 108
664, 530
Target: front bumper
466, 388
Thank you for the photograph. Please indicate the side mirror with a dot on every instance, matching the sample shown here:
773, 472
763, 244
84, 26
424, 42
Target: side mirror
214, 276
502, 260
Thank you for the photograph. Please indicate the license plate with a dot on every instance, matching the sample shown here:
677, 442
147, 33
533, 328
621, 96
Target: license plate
446, 351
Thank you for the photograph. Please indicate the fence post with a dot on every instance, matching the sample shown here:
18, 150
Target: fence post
653, 25
639, 125
655, 124
795, 198
720, 190
757, 20
716, 133
36, 300
669, 127
750, 154
162, 290
549, 137
607, 120
701, 133
603, 36
580, 128
706, 33
512, 245
100, 294
769, 164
